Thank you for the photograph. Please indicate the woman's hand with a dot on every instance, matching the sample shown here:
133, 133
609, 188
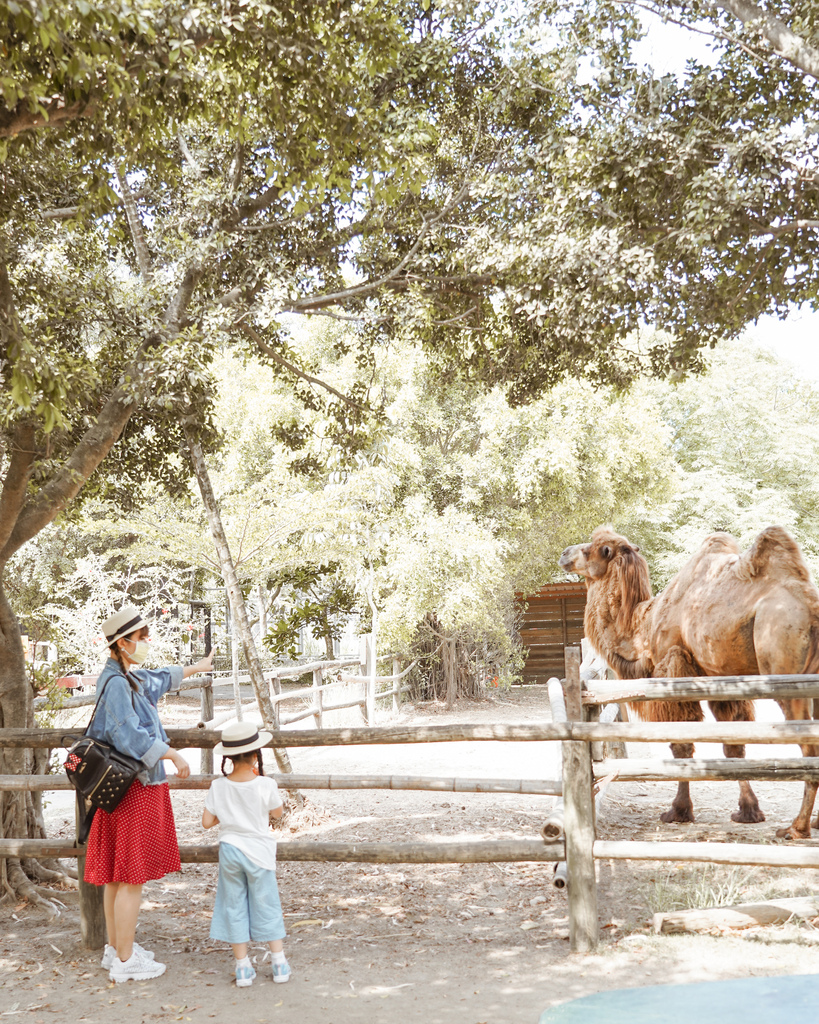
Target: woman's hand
183, 769
201, 667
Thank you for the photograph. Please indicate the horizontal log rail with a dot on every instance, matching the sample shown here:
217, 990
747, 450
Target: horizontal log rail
613, 691
444, 851
89, 699
303, 692
528, 787
587, 732
762, 854
794, 769
308, 692
471, 852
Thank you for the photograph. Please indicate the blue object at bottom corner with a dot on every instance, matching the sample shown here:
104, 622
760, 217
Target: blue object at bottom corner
787, 998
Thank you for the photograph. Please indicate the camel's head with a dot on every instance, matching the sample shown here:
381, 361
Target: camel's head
592, 560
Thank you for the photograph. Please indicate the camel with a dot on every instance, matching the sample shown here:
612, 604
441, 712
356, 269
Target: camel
725, 613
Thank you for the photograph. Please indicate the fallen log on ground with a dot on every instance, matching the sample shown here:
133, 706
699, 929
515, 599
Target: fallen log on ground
742, 915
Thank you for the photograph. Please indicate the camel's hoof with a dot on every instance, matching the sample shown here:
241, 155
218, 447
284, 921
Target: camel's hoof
684, 816
748, 816
792, 833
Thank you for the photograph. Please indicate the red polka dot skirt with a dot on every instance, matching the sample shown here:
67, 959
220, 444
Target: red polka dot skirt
136, 841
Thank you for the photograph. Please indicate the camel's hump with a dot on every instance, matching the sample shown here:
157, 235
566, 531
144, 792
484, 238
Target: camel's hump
774, 554
720, 543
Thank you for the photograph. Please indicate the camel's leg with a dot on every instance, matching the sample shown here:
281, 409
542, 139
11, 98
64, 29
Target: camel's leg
682, 807
678, 663
798, 710
739, 711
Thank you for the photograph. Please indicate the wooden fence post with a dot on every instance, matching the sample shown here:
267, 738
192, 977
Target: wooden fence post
92, 916
318, 679
578, 821
396, 686
372, 665
363, 670
276, 684
206, 714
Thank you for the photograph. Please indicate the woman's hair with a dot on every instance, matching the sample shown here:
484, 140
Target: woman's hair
116, 654
246, 756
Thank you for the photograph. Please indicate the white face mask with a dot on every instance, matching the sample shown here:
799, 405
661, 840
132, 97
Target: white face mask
141, 650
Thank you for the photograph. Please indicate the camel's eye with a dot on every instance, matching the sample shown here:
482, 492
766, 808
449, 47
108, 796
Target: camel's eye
606, 552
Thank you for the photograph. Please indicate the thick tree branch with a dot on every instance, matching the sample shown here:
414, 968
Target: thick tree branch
92, 448
100, 438
262, 345
237, 167
255, 205
13, 495
175, 312
23, 119
61, 213
784, 229
792, 47
23, 452
135, 226
9, 324
190, 159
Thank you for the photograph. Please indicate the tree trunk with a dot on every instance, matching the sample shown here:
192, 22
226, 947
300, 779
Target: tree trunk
328, 640
18, 814
450, 672
234, 660
237, 600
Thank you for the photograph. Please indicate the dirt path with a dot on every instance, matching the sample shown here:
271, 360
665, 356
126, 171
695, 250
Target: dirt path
432, 944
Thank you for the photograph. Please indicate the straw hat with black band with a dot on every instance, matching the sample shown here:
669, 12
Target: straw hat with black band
240, 738
127, 620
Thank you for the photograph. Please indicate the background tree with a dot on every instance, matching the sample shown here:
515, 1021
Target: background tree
686, 203
455, 499
745, 444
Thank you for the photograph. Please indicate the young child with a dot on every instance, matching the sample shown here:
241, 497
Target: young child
247, 897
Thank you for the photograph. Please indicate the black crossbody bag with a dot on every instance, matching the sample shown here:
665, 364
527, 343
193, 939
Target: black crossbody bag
100, 774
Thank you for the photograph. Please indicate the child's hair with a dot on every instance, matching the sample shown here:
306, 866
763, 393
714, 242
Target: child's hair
247, 755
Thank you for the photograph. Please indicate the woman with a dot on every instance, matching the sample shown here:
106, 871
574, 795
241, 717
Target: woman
137, 840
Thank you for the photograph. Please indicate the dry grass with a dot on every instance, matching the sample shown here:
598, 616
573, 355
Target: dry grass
686, 887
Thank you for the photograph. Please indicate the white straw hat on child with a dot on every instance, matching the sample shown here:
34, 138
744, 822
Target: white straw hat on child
126, 620
241, 737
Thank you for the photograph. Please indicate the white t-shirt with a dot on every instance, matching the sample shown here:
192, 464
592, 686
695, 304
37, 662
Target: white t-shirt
242, 809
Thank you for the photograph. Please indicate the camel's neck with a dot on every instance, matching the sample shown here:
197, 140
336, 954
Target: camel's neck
619, 634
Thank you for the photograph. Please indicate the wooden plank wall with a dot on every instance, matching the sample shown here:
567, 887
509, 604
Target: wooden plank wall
552, 621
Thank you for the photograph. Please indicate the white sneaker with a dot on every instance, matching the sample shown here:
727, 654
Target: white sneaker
244, 973
110, 955
140, 967
281, 972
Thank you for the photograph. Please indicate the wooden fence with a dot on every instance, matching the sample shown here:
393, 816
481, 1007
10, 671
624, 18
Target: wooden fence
375, 688
581, 741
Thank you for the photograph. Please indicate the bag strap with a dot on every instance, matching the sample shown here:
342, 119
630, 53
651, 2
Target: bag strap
99, 698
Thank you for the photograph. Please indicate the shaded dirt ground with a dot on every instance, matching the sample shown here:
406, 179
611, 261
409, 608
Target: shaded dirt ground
433, 944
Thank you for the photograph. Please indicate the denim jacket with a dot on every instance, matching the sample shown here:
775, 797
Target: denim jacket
133, 726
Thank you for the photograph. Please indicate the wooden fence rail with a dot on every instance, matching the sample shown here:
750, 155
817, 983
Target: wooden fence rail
526, 787
444, 851
472, 851
587, 732
315, 692
614, 691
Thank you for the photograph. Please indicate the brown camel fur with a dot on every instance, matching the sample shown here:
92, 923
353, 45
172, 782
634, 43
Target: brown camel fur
725, 613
